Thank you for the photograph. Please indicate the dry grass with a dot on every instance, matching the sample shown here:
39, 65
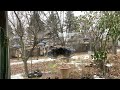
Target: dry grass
75, 73
115, 69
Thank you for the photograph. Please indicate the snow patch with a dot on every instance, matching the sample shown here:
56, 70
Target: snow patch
17, 76
33, 61
118, 50
75, 57
15, 63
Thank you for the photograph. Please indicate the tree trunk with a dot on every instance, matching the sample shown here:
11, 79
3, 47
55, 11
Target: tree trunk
25, 67
114, 49
24, 57
90, 46
63, 43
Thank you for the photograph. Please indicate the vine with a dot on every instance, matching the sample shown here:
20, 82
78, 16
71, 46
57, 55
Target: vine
3, 34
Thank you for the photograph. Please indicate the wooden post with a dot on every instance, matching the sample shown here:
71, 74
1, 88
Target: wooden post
4, 58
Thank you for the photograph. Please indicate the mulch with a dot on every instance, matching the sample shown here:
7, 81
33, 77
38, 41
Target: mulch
19, 68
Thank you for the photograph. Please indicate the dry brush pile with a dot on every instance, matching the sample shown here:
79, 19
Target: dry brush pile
114, 71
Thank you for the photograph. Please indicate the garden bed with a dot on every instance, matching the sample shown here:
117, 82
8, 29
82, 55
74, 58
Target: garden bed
50, 68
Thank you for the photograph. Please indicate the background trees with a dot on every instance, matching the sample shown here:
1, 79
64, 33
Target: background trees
33, 26
111, 21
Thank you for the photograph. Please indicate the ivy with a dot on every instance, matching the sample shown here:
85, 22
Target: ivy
3, 35
99, 55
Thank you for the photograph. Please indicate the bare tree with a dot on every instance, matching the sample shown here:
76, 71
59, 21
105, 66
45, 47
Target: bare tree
19, 22
55, 24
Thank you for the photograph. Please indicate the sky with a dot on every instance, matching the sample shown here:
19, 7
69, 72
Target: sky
77, 13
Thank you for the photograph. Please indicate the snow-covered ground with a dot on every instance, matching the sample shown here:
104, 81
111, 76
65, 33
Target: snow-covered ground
20, 75
118, 50
97, 77
16, 63
17, 76
86, 56
33, 61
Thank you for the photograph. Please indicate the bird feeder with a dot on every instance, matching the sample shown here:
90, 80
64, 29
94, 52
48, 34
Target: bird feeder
16, 46
86, 40
44, 42
40, 44
16, 38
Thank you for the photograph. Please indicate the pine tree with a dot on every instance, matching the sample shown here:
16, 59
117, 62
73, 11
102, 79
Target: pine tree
53, 25
70, 21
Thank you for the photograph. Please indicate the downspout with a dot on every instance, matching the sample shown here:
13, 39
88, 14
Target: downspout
4, 49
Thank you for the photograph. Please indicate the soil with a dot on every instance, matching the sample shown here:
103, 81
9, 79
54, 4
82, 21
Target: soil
50, 71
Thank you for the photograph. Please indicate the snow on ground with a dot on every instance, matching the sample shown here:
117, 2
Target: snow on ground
85, 56
17, 76
118, 50
33, 61
20, 75
97, 77
16, 63
41, 60
75, 57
